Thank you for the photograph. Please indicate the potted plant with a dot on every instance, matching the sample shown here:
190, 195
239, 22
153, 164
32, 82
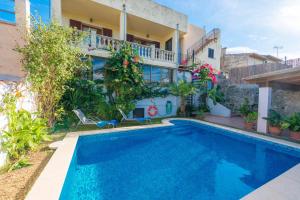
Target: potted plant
250, 120
183, 90
245, 108
293, 124
275, 120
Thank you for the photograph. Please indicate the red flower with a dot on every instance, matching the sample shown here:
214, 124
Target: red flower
125, 62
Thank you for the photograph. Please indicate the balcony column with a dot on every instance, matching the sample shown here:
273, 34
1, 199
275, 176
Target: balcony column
22, 10
175, 43
56, 12
264, 104
123, 24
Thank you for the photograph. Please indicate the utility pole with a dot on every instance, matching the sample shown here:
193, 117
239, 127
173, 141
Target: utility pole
277, 49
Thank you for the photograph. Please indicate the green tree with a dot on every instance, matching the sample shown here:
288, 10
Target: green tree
51, 57
123, 77
183, 90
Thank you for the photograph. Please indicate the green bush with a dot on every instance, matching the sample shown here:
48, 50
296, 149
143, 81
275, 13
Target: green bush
51, 57
25, 131
245, 108
274, 118
251, 117
292, 123
123, 78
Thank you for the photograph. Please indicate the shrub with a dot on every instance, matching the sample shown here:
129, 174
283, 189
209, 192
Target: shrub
274, 118
251, 117
292, 123
24, 132
51, 58
245, 108
123, 78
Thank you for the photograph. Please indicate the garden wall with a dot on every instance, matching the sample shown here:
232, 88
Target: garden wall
286, 99
26, 101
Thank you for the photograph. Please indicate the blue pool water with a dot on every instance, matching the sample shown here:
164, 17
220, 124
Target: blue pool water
184, 161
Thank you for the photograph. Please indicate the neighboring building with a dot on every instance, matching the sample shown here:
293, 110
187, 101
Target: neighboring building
231, 61
200, 47
293, 62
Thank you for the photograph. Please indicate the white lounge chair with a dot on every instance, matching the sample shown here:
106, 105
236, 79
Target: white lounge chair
86, 121
139, 119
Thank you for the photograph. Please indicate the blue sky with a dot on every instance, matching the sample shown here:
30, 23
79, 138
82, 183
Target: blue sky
248, 25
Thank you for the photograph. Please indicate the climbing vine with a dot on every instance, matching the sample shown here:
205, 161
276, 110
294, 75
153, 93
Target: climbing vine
123, 77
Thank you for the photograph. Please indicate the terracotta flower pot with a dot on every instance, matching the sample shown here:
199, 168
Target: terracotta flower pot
295, 135
248, 125
274, 130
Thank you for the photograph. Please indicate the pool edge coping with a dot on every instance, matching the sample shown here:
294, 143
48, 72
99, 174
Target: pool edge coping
50, 182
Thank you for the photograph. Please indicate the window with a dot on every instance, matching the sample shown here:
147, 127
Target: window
147, 74
211, 53
7, 11
98, 67
154, 74
168, 45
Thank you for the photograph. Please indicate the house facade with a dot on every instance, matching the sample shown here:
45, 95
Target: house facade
162, 37
200, 47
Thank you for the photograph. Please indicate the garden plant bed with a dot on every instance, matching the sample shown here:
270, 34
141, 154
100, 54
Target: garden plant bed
15, 184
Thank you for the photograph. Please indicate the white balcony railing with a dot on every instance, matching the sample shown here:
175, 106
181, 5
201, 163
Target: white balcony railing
95, 41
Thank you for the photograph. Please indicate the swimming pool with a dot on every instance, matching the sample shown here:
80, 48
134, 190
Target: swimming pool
185, 161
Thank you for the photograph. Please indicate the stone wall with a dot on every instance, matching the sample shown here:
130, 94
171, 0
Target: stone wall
286, 100
235, 96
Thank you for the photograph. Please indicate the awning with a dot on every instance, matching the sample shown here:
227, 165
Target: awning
289, 76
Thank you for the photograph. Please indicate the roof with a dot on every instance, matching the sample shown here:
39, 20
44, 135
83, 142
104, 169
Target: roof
257, 56
290, 76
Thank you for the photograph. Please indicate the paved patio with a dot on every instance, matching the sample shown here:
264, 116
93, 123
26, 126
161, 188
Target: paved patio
235, 121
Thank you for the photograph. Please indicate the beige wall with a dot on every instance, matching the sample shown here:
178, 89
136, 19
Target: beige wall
240, 60
10, 37
203, 54
193, 35
148, 9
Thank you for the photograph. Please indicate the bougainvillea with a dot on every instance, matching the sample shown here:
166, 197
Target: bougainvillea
205, 73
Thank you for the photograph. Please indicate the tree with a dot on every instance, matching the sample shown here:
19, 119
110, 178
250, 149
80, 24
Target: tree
123, 77
51, 57
183, 90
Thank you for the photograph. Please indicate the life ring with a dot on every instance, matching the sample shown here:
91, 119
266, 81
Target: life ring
152, 111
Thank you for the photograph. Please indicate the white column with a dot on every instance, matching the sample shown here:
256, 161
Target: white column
22, 10
123, 24
175, 43
264, 104
56, 12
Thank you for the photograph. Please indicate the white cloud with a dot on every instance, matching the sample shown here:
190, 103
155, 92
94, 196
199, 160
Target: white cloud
234, 50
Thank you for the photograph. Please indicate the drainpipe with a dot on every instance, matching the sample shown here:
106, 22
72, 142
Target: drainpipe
123, 23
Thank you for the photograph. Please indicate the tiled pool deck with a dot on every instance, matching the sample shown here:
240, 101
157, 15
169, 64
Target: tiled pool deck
49, 184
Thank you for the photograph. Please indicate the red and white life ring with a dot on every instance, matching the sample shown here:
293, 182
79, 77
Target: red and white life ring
152, 111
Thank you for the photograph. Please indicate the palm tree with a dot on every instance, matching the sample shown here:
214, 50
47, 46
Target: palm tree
183, 90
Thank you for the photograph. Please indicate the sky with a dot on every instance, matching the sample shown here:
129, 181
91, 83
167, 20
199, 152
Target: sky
247, 25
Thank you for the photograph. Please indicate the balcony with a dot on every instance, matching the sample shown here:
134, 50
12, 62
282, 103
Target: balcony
99, 45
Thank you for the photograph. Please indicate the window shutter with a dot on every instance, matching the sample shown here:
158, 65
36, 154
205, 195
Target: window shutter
107, 32
157, 44
77, 24
130, 38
